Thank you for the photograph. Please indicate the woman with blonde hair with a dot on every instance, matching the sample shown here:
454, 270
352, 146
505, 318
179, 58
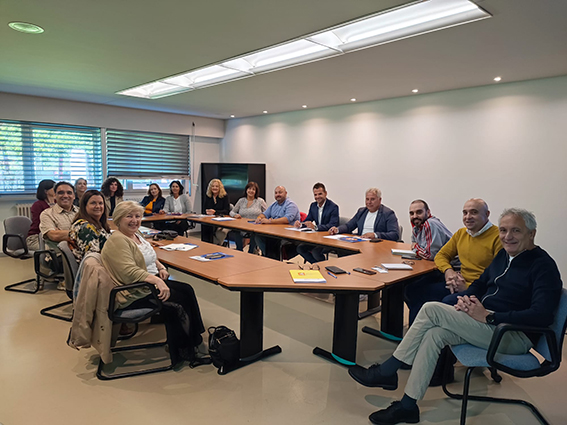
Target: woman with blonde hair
129, 258
216, 203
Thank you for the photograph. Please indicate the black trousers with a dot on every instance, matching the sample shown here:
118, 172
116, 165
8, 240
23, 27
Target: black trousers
182, 319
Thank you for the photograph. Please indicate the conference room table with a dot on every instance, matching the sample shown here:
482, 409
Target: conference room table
252, 275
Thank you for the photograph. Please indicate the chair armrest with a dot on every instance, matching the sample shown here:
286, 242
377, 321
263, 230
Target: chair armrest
5, 240
116, 290
546, 367
37, 261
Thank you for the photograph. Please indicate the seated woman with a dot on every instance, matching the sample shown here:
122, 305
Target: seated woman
90, 230
80, 189
176, 203
129, 258
154, 201
216, 203
113, 194
45, 199
250, 206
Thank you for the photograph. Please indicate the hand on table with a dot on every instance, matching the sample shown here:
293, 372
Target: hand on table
333, 230
210, 212
369, 235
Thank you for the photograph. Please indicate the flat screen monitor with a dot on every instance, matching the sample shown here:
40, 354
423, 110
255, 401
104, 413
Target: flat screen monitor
234, 177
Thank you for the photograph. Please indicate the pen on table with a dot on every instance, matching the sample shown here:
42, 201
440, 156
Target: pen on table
331, 274
347, 272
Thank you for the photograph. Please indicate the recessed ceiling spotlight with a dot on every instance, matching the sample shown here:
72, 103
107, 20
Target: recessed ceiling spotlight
415, 91
232, 116
265, 112
304, 106
353, 100
26, 27
497, 79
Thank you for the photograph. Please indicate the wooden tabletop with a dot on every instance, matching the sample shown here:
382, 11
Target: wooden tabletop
240, 262
279, 278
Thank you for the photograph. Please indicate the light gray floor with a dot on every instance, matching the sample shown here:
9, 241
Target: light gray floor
42, 381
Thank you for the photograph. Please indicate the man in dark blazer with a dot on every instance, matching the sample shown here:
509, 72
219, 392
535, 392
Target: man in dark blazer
373, 221
323, 214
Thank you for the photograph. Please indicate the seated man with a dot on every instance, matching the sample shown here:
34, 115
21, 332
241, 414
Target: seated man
476, 245
282, 211
373, 221
323, 214
521, 286
56, 221
428, 236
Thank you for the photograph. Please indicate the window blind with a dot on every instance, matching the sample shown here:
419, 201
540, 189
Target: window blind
141, 154
31, 152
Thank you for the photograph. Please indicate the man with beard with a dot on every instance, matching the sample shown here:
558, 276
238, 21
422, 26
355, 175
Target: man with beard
428, 236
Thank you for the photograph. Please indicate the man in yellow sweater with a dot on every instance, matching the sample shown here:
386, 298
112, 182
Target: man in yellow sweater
476, 245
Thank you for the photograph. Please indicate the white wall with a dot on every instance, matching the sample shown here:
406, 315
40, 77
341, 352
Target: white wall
505, 143
206, 148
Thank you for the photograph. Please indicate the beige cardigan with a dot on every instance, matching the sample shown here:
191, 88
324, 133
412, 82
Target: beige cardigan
126, 265
91, 325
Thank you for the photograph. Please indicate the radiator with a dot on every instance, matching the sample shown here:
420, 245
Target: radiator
24, 209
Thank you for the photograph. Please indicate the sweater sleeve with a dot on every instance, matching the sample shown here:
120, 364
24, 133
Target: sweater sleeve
546, 290
185, 204
118, 258
236, 208
168, 207
447, 253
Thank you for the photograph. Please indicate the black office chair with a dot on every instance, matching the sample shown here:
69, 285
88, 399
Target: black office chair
526, 365
70, 268
128, 315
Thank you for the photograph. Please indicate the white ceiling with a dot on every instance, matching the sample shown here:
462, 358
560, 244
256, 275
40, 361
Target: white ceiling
91, 49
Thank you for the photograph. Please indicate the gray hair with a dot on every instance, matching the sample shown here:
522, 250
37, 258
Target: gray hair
527, 216
125, 208
375, 191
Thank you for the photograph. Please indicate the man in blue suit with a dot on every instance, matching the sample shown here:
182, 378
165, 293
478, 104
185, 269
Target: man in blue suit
373, 221
323, 214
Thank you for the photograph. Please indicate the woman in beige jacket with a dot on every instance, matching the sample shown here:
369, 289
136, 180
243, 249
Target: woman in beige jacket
129, 258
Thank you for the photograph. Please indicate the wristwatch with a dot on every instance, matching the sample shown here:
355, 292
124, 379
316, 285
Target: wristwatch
490, 318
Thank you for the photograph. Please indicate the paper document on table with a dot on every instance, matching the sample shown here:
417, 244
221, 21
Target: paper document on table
397, 266
307, 276
179, 247
198, 215
302, 229
199, 258
380, 269
345, 238
223, 219
407, 252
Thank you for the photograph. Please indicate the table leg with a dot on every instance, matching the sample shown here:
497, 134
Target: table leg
345, 330
207, 232
392, 320
273, 247
251, 332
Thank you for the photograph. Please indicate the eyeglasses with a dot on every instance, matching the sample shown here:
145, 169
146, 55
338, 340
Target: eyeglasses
409, 263
309, 267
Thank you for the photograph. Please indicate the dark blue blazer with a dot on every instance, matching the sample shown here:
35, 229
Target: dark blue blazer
158, 204
386, 224
329, 218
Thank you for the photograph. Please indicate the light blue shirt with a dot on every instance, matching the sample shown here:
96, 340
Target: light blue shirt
288, 210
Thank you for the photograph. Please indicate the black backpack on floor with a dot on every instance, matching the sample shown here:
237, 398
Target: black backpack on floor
224, 346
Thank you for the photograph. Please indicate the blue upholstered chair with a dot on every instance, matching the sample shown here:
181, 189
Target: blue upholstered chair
523, 366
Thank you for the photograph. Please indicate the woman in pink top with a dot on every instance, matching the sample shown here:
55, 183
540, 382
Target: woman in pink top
45, 199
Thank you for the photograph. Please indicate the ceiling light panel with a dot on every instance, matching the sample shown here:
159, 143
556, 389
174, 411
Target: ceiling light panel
417, 18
